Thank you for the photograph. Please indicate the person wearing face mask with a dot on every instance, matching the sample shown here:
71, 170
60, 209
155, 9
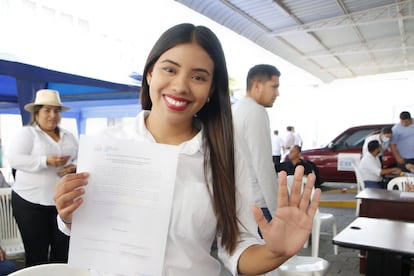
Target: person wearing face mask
383, 138
371, 169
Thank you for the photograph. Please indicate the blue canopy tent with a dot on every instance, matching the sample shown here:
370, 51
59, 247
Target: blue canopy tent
87, 97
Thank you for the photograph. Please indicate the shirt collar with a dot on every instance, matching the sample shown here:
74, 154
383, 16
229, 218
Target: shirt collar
37, 128
189, 147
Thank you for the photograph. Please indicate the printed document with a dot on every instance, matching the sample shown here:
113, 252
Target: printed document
122, 225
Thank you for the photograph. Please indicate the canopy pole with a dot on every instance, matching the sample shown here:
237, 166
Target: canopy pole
26, 91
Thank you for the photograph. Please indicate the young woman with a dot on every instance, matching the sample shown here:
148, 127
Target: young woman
185, 98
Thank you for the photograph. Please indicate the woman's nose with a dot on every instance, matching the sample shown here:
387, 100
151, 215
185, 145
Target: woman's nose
180, 83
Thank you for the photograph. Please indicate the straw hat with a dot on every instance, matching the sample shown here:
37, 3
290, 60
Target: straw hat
46, 97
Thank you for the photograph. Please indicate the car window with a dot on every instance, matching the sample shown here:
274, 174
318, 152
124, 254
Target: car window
353, 139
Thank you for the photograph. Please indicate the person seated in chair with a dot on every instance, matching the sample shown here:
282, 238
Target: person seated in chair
295, 159
371, 169
6, 266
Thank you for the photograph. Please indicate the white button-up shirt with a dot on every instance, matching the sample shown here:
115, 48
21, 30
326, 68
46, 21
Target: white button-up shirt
193, 225
251, 123
27, 153
370, 167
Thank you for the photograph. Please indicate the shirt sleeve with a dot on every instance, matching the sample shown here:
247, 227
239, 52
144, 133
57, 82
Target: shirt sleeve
257, 135
19, 152
374, 170
62, 226
395, 135
246, 222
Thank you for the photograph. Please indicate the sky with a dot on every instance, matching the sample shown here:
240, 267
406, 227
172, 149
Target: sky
120, 34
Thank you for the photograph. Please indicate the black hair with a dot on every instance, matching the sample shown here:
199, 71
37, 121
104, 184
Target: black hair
217, 120
386, 130
405, 115
261, 72
373, 145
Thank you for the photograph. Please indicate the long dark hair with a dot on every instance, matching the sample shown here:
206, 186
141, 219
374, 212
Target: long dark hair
217, 119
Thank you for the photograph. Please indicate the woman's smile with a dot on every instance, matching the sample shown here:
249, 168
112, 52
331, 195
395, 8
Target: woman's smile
180, 83
177, 104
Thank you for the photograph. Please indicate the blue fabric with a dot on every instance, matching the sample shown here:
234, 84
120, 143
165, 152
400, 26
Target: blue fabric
7, 267
267, 214
402, 166
268, 217
403, 137
373, 184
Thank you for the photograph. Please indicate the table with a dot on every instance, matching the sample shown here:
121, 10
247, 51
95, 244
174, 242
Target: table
379, 203
389, 244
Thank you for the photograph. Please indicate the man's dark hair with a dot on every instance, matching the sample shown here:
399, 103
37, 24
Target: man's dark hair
298, 147
261, 72
386, 130
405, 115
373, 145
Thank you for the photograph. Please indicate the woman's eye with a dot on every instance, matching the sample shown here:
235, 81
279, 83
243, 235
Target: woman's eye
199, 78
168, 69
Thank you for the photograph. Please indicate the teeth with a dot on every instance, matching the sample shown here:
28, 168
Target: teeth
175, 102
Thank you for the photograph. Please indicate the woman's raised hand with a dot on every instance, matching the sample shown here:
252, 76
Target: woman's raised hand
292, 223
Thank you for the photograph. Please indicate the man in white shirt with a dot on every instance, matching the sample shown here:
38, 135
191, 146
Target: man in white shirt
277, 148
298, 138
251, 122
290, 138
370, 167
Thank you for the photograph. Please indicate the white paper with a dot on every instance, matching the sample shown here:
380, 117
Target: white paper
122, 225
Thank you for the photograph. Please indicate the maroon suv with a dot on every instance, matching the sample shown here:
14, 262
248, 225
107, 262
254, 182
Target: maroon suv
325, 160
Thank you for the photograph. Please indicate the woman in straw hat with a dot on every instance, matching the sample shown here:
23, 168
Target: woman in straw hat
42, 153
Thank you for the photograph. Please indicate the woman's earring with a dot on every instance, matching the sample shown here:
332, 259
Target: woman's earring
208, 99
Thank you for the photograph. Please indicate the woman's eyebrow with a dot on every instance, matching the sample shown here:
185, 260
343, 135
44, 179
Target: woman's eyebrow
202, 70
170, 61
177, 64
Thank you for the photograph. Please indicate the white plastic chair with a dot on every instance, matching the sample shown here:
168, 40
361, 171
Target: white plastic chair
399, 183
51, 270
304, 266
10, 239
360, 186
322, 218
319, 219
